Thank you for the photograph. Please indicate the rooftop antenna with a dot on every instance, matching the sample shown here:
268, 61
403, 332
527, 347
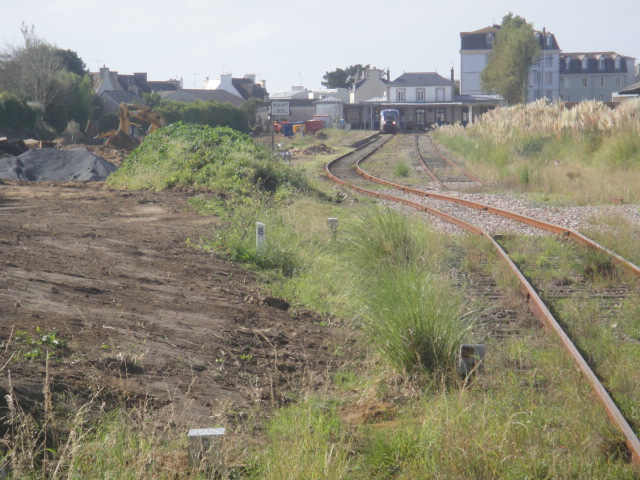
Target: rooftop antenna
223, 69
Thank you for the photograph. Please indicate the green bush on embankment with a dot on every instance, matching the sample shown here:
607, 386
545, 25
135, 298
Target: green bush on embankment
218, 159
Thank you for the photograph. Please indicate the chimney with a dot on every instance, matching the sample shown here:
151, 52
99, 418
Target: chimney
452, 78
264, 84
142, 76
250, 76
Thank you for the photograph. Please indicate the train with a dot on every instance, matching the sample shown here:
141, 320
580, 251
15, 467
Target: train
389, 120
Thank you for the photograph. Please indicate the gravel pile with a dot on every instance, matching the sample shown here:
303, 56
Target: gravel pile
53, 165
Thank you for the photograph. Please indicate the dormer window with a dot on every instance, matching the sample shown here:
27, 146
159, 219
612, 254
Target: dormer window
567, 63
490, 39
618, 63
585, 63
601, 63
549, 39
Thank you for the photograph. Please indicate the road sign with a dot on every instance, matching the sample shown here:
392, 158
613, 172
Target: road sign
280, 108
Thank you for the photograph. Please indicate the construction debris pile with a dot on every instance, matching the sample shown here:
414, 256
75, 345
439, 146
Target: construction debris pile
53, 165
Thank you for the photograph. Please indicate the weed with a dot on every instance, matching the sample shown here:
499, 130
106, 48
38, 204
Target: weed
43, 344
401, 169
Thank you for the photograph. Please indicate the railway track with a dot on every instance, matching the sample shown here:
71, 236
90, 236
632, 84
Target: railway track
554, 293
443, 171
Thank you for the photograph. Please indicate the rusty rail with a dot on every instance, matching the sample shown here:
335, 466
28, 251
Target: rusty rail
565, 232
535, 303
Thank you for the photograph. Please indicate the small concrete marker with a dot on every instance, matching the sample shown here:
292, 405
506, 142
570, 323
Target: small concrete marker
260, 237
205, 447
471, 359
332, 223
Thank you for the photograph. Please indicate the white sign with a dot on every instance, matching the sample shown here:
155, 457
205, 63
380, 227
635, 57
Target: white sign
280, 108
260, 237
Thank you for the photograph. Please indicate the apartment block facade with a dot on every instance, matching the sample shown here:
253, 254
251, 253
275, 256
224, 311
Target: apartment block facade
571, 77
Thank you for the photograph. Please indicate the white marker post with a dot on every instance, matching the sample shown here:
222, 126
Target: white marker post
260, 238
471, 359
332, 223
205, 447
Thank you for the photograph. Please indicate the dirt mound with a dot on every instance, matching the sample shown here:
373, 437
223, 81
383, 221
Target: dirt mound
143, 316
320, 149
53, 165
12, 147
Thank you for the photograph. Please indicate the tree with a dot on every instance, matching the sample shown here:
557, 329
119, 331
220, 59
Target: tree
71, 62
32, 69
343, 78
74, 101
54, 79
515, 50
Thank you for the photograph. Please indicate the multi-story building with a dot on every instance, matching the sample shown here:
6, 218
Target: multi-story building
475, 48
544, 75
594, 75
571, 77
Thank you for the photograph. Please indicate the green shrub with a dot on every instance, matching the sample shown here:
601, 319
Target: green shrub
198, 156
214, 114
416, 320
15, 114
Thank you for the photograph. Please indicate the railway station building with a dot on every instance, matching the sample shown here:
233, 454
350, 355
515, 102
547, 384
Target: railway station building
424, 99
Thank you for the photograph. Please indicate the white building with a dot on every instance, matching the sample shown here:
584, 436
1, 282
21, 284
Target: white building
544, 76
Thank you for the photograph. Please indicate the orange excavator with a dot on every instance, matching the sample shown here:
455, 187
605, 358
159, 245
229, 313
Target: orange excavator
122, 137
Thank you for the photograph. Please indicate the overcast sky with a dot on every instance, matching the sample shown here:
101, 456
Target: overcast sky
290, 42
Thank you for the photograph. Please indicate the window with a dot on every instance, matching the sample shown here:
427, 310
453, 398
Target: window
568, 98
566, 82
618, 82
601, 81
585, 63
567, 63
549, 61
400, 95
585, 82
490, 39
420, 95
618, 63
548, 94
440, 95
440, 116
536, 78
601, 63
548, 77
421, 117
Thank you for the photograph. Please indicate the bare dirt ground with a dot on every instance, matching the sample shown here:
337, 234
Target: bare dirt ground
145, 317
